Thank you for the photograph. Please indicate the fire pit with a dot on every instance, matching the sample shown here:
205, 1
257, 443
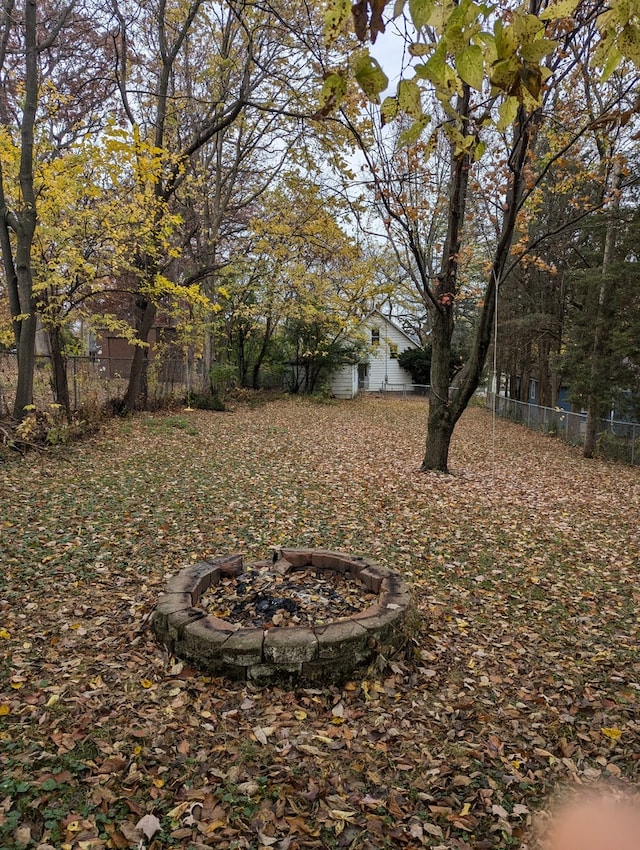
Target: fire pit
308, 615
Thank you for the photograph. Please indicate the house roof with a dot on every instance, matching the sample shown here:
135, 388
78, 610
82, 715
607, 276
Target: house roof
386, 319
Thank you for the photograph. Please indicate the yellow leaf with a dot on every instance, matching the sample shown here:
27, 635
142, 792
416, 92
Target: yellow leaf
465, 810
369, 76
53, 699
470, 66
563, 9
146, 683
300, 714
338, 814
4, 634
216, 824
16, 685
4, 710
409, 98
612, 733
158, 782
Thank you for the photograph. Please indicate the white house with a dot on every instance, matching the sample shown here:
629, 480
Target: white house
382, 370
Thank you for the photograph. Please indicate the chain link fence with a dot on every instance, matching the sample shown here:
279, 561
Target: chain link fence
617, 440
93, 381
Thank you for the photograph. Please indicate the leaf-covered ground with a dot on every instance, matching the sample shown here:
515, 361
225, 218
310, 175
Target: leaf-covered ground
523, 672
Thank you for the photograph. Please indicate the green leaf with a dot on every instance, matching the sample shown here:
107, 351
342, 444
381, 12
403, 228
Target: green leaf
335, 18
389, 109
527, 27
462, 145
506, 40
507, 112
398, 8
531, 79
434, 68
420, 49
563, 9
629, 43
470, 66
409, 98
333, 90
614, 58
420, 11
537, 50
455, 38
621, 9
504, 73
488, 45
413, 133
479, 151
370, 76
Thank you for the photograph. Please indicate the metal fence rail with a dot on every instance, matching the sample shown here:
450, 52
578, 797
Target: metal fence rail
92, 380
617, 440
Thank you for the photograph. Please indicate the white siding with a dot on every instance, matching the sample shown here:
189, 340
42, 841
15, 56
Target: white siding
344, 382
384, 370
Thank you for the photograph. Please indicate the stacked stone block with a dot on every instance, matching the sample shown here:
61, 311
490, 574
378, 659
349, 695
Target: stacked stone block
330, 652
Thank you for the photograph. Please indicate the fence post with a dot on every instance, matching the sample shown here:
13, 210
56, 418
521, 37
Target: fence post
76, 405
633, 445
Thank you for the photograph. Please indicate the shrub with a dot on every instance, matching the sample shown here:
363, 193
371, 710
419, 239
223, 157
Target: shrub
51, 428
205, 401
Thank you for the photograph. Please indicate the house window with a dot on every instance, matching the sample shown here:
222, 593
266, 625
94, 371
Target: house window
375, 336
393, 351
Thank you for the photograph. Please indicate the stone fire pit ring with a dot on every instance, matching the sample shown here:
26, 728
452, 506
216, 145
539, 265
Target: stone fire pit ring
315, 654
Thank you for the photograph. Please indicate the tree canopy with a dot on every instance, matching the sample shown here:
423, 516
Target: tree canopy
248, 175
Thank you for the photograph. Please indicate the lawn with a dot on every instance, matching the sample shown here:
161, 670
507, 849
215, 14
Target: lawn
522, 674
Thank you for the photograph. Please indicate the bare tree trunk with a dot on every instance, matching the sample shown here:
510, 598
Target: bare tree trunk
444, 412
268, 330
59, 372
595, 409
25, 224
137, 390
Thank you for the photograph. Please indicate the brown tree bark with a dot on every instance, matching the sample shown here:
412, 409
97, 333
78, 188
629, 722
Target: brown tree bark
136, 396
595, 407
445, 411
59, 372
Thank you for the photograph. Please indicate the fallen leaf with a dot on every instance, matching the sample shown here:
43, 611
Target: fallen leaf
612, 733
149, 824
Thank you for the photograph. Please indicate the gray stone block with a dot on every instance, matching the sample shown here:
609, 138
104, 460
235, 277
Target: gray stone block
372, 576
203, 575
341, 638
264, 674
179, 619
202, 640
338, 669
244, 647
229, 565
297, 557
386, 628
168, 604
182, 583
290, 646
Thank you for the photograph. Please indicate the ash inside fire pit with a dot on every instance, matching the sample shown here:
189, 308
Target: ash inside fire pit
313, 616
262, 598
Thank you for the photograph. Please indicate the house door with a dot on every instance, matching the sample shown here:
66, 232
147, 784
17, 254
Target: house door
363, 376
